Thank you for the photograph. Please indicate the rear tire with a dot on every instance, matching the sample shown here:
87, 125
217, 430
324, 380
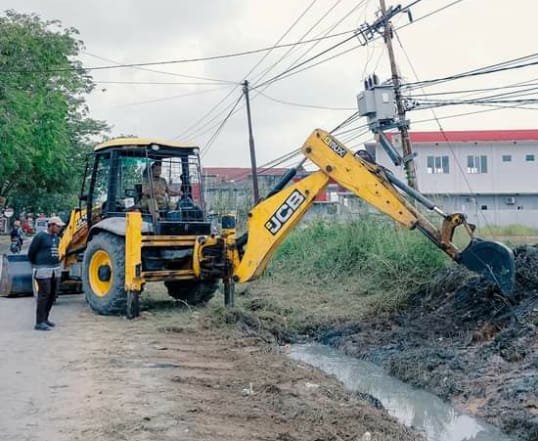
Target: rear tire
192, 292
103, 274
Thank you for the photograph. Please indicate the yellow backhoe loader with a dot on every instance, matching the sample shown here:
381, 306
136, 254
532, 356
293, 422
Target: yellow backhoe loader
115, 243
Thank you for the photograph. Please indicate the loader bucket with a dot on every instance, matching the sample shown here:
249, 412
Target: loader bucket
492, 259
15, 275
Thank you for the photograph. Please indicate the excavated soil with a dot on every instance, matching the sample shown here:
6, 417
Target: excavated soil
462, 340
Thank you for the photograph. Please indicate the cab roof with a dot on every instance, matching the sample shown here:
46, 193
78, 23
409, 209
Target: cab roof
142, 142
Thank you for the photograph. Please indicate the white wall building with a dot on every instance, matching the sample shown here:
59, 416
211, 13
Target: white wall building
492, 176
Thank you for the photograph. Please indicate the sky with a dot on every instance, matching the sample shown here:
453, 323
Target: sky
189, 101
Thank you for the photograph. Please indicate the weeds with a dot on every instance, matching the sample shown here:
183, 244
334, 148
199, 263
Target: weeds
376, 253
326, 275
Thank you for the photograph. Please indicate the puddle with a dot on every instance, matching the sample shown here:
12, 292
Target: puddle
413, 407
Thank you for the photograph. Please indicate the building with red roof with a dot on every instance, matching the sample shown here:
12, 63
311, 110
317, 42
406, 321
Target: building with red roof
491, 175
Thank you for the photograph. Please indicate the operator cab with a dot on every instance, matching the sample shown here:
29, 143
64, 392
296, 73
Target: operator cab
162, 179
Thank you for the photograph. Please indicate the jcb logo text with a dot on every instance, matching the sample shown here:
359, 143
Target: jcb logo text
284, 212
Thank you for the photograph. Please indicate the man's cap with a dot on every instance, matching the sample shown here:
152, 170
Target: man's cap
56, 220
157, 163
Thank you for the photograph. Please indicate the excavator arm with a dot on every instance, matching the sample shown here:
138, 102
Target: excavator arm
270, 221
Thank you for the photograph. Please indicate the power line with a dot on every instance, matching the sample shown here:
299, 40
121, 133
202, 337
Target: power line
279, 40
158, 83
161, 72
284, 75
193, 128
261, 60
334, 5
350, 119
308, 106
207, 128
466, 91
436, 118
515, 96
499, 67
185, 60
287, 71
169, 98
433, 104
221, 125
474, 112
288, 52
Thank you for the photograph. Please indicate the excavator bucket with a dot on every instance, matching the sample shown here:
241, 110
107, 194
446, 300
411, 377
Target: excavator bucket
492, 259
15, 275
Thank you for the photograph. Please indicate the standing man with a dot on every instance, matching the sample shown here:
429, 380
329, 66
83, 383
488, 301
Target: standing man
43, 254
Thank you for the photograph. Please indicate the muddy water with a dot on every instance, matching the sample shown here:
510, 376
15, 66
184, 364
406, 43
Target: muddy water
415, 408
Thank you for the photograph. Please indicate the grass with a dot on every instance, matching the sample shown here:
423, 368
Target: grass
328, 276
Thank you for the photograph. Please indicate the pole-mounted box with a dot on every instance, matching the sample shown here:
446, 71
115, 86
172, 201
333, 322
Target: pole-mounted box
377, 104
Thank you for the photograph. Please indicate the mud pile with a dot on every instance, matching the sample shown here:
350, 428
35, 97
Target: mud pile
461, 339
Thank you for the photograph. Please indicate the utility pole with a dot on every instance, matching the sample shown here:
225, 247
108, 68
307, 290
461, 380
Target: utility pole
251, 145
403, 126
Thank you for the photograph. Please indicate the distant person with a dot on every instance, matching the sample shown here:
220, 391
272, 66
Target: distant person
16, 235
27, 227
155, 191
44, 257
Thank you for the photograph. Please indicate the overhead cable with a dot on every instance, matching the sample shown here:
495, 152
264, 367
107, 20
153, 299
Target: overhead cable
309, 106
182, 61
221, 125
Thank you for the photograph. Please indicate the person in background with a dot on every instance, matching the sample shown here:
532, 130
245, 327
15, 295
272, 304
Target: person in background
16, 233
27, 226
44, 257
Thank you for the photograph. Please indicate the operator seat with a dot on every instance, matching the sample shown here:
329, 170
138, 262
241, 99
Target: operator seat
189, 210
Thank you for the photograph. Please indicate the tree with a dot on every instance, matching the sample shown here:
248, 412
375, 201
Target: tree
45, 131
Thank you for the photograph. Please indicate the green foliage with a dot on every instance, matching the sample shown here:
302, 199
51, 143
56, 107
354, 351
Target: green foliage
381, 254
44, 124
326, 277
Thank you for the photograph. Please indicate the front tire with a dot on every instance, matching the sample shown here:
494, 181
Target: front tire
192, 292
103, 274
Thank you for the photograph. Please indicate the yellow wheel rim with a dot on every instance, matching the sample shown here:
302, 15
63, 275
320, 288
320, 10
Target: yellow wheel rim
100, 273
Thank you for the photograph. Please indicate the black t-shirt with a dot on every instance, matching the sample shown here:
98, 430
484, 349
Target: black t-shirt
43, 250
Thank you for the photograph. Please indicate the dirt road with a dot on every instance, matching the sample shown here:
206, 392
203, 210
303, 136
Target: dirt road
164, 376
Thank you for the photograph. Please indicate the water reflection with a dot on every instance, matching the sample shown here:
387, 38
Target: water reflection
438, 420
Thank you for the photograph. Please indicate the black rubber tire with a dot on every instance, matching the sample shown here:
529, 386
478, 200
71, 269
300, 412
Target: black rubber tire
114, 301
192, 292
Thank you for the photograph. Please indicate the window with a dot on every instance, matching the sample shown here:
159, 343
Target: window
437, 164
529, 158
477, 164
507, 158
100, 186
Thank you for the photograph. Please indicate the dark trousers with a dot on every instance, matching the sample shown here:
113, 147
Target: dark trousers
46, 293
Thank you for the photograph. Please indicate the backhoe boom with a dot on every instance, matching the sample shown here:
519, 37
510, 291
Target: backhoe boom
270, 221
